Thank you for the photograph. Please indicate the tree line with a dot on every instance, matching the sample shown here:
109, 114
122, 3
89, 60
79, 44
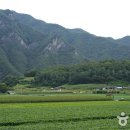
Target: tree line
105, 72
89, 72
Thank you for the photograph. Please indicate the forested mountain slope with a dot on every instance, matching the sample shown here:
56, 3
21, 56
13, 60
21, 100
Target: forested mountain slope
27, 43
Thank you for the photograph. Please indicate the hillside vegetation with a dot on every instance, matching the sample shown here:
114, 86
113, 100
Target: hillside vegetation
104, 72
27, 43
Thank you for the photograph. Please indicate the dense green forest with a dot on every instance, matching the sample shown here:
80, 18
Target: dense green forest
93, 72
89, 72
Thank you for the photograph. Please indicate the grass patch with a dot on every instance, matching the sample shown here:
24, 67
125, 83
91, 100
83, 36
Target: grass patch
83, 86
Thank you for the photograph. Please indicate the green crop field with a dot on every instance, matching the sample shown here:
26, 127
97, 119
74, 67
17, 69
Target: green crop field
53, 98
96, 115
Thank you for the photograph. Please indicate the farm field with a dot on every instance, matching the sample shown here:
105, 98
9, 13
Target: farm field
53, 98
96, 115
62, 98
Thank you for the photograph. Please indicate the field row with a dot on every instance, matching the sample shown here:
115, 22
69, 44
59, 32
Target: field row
63, 115
53, 98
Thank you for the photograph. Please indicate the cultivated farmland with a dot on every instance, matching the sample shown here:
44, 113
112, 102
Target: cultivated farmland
96, 115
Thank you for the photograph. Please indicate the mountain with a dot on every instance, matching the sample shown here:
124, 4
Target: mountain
124, 41
27, 43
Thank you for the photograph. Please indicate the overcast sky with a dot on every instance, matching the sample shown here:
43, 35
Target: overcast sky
109, 18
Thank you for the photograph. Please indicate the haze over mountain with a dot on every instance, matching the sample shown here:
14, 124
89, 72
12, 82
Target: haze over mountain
27, 43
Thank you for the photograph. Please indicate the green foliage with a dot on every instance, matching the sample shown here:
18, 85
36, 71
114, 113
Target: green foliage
30, 73
11, 81
119, 83
90, 72
3, 88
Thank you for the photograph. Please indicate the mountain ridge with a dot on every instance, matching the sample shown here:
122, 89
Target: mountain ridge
27, 43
